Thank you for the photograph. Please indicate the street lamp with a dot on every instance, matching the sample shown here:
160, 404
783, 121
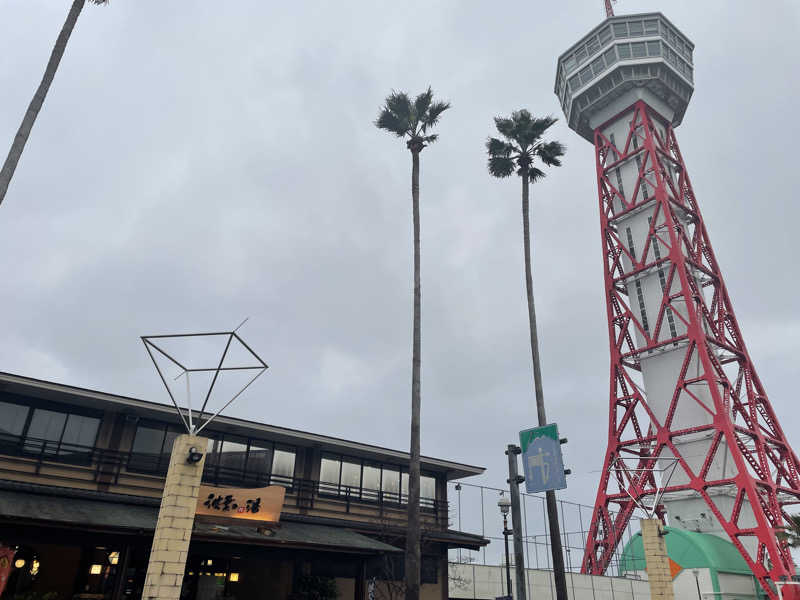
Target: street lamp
505, 505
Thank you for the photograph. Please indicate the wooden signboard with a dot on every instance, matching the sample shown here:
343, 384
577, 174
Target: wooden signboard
262, 505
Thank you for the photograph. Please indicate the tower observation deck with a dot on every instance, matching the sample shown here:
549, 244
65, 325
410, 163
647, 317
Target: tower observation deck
683, 391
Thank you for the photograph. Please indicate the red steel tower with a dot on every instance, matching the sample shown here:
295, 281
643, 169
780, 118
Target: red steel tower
683, 387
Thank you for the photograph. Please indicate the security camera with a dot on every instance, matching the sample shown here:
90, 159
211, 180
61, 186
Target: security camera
195, 456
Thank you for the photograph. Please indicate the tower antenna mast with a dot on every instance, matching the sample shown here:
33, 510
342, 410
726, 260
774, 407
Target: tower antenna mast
609, 8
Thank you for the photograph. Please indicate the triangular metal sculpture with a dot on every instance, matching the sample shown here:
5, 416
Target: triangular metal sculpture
195, 422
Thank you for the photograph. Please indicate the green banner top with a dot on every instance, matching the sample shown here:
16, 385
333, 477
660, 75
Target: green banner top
528, 435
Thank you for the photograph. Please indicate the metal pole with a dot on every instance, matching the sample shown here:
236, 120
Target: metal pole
506, 531
555, 545
514, 480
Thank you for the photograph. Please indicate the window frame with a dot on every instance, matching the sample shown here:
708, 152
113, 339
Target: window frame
22, 442
376, 496
211, 472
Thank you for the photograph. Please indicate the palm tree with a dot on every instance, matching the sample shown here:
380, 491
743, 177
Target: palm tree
10, 165
413, 121
521, 147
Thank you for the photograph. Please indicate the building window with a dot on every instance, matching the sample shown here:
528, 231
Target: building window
638, 284
47, 432
624, 51
639, 50
12, 421
673, 331
356, 478
152, 445
586, 75
230, 460
631, 247
642, 308
636, 28
620, 30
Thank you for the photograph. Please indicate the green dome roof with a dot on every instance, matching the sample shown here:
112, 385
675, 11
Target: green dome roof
689, 549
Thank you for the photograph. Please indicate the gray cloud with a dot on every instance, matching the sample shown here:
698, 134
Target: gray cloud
193, 167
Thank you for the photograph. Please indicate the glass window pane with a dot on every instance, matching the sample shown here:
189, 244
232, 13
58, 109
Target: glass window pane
45, 430
351, 478
624, 51
570, 64
81, 431
404, 488
653, 48
610, 56
605, 35
146, 448
651, 26
427, 487
329, 474
581, 56
283, 467
598, 65
391, 485
620, 30
232, 458
636, 28
259, 462
12, 420
80, 434
371, 482
166, 450
638, 50
592, 46
212, 456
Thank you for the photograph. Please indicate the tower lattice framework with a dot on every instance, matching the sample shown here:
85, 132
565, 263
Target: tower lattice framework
716, 372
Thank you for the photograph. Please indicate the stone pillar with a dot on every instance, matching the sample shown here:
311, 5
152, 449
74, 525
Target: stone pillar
175, 521
657, 561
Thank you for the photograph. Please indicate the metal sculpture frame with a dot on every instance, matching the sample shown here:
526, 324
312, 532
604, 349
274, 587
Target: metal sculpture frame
193, 427
741, 415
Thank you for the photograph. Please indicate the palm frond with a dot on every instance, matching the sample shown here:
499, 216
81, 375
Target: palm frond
429, 139
539, 126
389, 121
501, 166
535, 174
99, 1
505, 127
497, 147
422, 103
550, 152
431, 117
400, 104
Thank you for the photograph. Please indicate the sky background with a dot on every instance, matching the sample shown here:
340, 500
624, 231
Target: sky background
193, 167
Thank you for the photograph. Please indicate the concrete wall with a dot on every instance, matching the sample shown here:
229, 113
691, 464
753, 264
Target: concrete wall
483, 582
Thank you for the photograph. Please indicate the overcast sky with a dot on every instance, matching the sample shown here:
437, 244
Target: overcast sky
198, 163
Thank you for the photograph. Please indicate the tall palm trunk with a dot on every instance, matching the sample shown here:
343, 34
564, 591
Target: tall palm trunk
412, 574
10, 165
552, 508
